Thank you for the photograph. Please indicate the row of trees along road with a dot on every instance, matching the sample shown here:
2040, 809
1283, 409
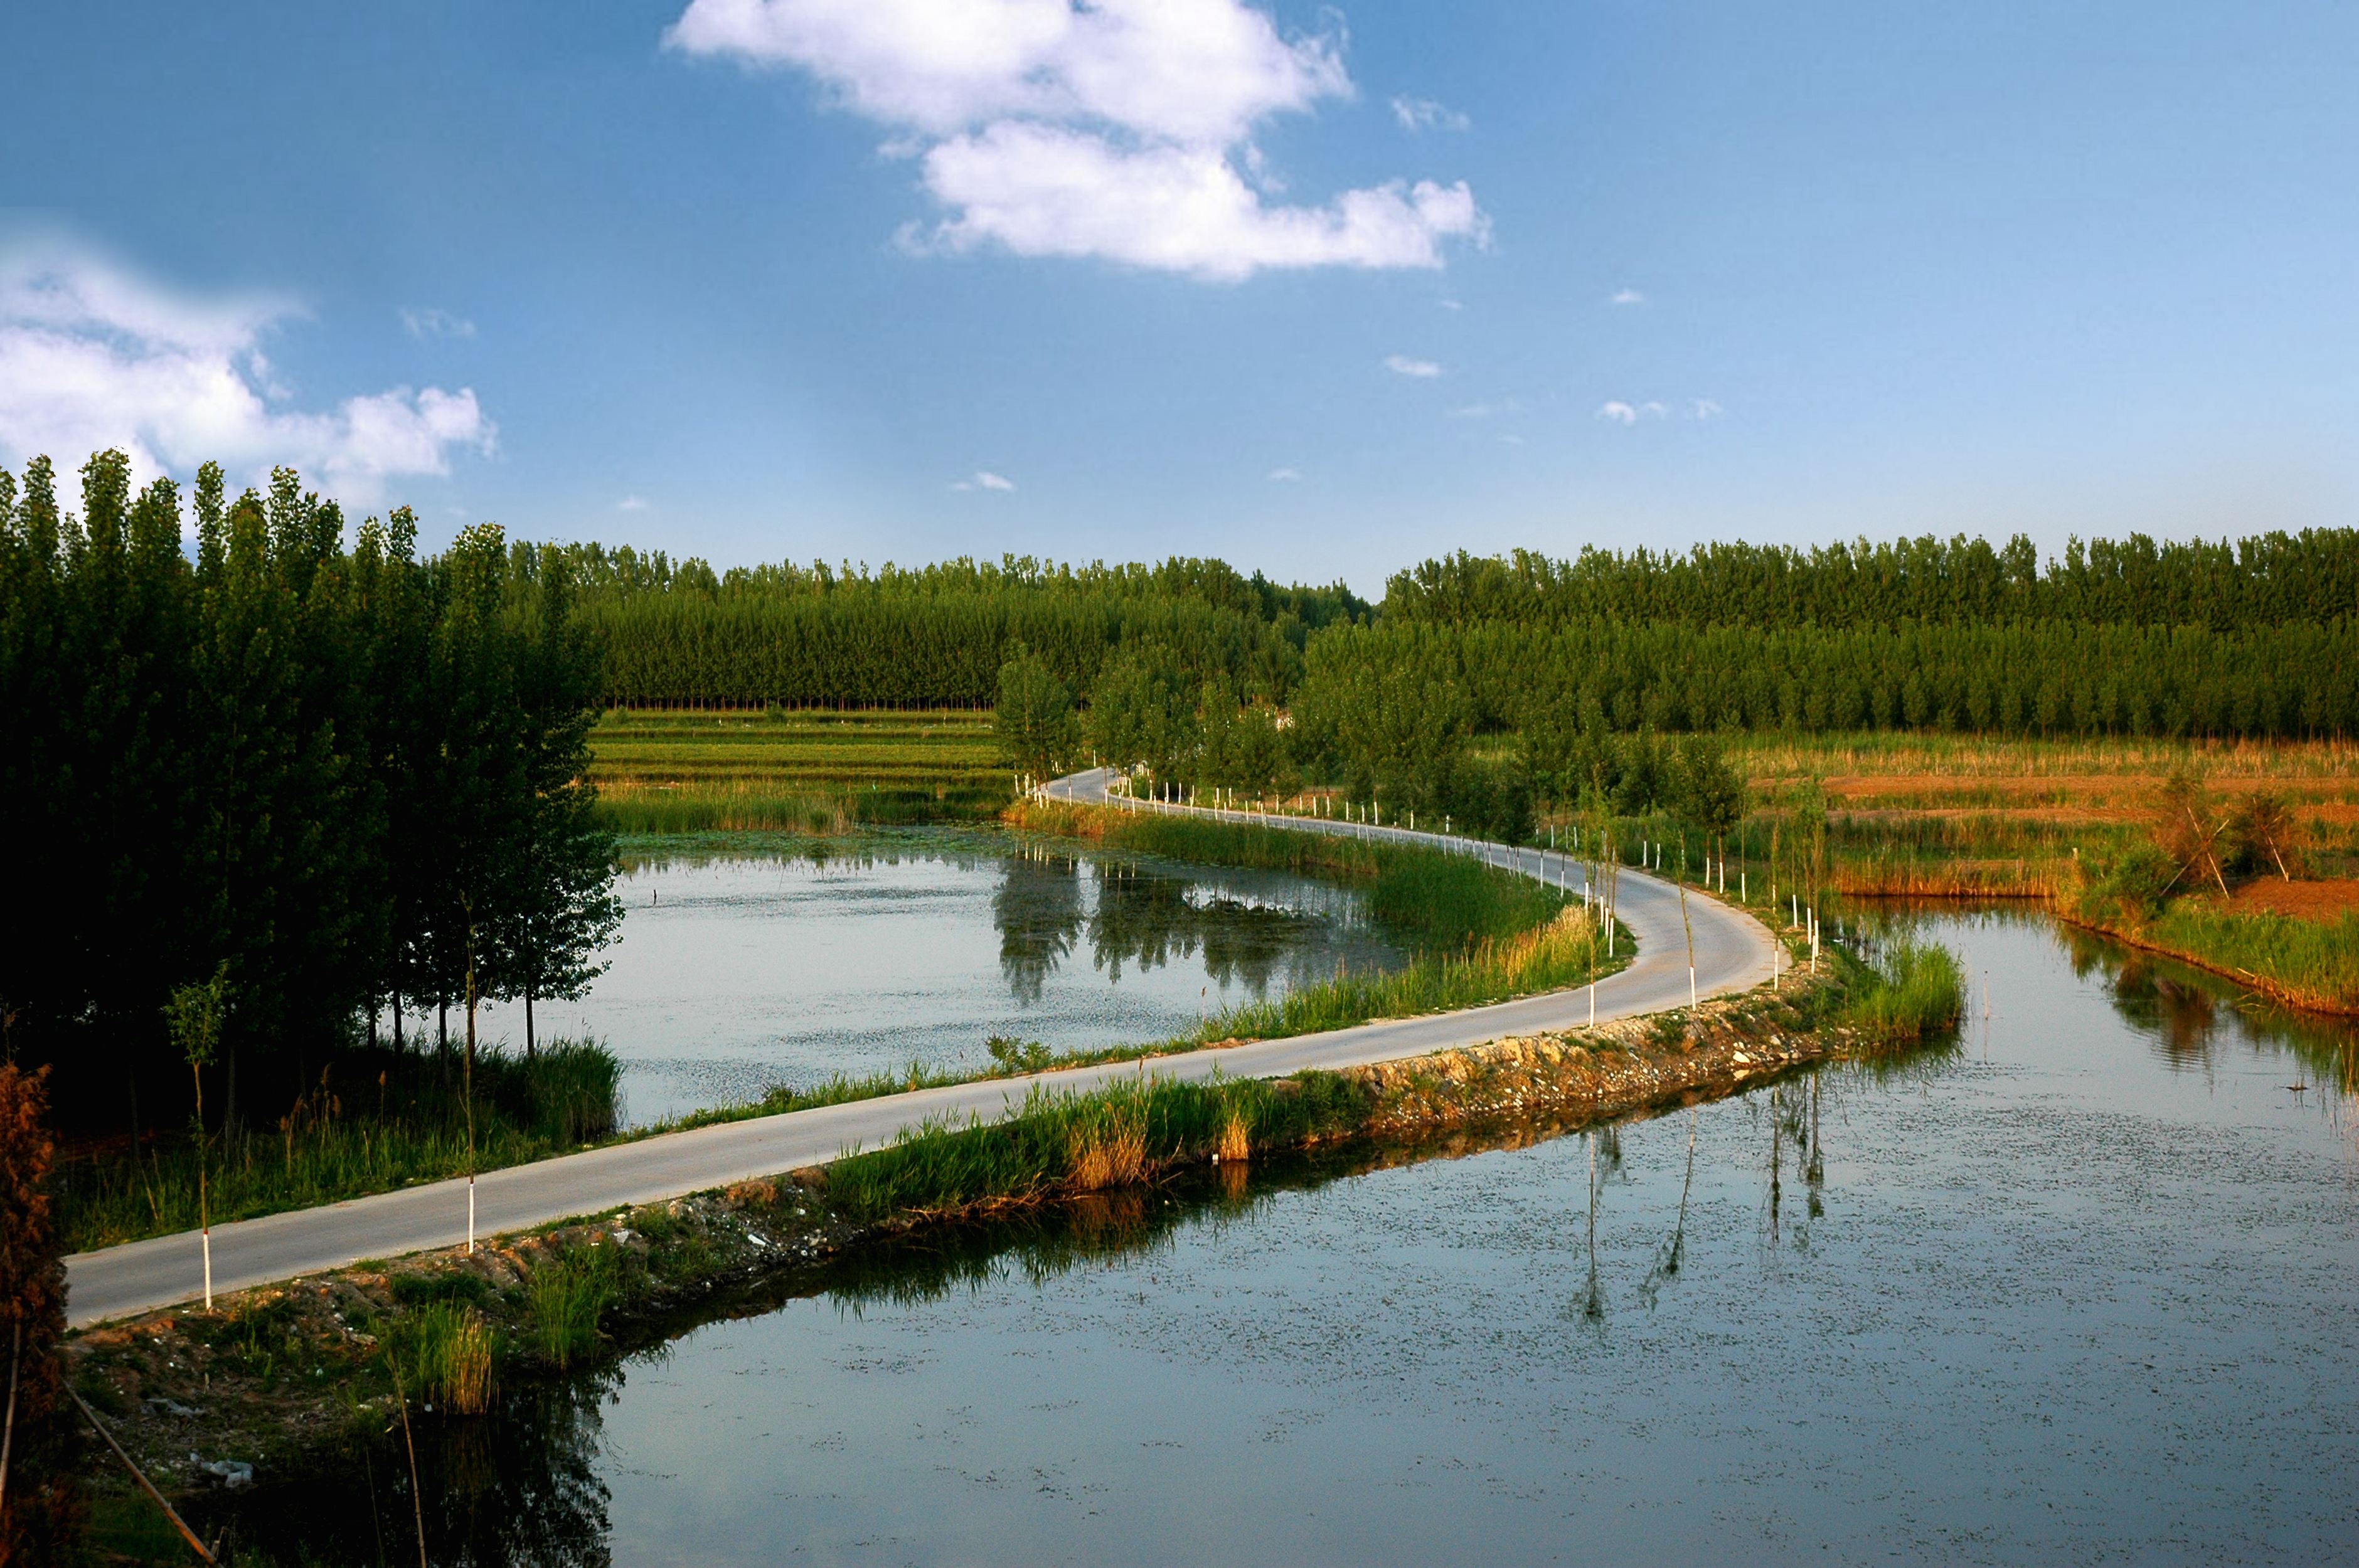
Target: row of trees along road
327, 784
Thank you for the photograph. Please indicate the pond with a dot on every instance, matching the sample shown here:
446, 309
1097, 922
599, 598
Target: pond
2076, 1286
758, 964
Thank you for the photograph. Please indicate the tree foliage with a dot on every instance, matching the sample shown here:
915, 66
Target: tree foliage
298, 762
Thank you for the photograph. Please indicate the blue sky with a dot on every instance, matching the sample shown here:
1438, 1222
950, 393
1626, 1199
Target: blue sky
1319, 290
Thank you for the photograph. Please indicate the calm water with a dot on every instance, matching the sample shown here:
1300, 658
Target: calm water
740, 970
2078, 1287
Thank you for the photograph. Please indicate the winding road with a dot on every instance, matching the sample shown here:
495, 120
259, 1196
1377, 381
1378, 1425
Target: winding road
1732, 953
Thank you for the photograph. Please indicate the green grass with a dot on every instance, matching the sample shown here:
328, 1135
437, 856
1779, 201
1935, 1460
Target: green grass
356, 1135
446, 1353
2311, 963
565, 1298
797, 771
1084, 1143
1906, 992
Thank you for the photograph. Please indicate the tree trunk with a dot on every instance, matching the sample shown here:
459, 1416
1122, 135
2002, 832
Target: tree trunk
528, 1046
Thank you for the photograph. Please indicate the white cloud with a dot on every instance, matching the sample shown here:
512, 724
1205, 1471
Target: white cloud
632, 503
92, 357
1703, 408
984, 480
433, 322
1651, 410
1043, 190
1120, 129
1619, 412
1425, 115
1401, 364
1285, 476
1630, 297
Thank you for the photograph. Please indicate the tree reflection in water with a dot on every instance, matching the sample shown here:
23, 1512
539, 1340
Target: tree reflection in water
1039, 912
517, 1488
1140, 917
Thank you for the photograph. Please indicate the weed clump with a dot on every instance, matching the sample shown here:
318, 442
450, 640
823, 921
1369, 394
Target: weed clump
446, 1351
1908, 991
564, 1299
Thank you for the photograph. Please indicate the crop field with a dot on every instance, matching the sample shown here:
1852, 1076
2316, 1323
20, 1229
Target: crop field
799, 770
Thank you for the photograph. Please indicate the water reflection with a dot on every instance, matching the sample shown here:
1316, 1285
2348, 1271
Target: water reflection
764, 962
2193, 1018
1143, 917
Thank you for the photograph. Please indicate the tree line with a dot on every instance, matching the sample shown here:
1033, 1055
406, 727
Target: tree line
680, 633
2269, 579
333, 788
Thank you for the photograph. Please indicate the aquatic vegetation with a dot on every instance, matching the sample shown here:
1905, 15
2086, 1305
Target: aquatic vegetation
1905, 991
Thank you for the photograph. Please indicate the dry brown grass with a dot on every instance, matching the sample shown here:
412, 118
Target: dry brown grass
1109, 1150
1236, 1138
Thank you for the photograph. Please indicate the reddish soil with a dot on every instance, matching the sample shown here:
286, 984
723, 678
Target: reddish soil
2308, 901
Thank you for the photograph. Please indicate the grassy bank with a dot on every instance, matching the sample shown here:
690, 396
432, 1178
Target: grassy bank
793, 771
374, 1121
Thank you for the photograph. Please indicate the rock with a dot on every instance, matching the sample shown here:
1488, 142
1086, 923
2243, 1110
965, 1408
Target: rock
236, 1474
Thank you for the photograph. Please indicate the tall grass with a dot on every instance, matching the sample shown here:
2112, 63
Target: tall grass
1063, 1141
375, 1121
564, 1299
445, 1352
2312, 964
1906, 992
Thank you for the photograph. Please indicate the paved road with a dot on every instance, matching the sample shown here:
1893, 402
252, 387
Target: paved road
1732, 953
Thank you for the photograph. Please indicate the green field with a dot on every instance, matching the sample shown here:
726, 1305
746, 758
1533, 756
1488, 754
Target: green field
798, 770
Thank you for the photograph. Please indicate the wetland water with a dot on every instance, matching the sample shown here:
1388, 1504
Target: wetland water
741, 968
2077, 1287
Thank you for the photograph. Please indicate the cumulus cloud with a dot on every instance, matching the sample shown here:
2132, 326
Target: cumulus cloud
1401, 364
1285, 476
92, 356
1628, 296
1425, 115
1703, 408
1619, 412
1120, 129
632, 503
433, 322
984, 480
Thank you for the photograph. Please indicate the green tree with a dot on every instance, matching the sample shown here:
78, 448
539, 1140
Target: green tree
1034, 719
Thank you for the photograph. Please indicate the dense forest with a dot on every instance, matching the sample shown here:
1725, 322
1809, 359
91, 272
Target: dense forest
289, 785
